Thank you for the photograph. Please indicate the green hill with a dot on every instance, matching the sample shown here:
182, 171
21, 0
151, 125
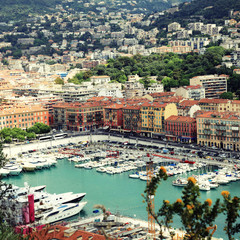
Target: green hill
204, 10
16, 9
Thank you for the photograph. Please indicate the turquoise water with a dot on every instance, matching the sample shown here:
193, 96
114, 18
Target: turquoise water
118, 193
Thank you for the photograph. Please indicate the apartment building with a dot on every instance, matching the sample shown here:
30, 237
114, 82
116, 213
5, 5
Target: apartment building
22, 116
181, 129
195, 92
153, 117
214, 85
217, 129
132, 120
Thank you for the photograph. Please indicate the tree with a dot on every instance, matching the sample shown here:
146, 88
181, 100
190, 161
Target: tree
6, 231
149, 193
196, 217
59, 80
31, 135
230, 208
227, 95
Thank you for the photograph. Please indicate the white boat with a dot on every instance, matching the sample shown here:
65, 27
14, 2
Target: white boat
4, 172
57, 213
180, 182
143, 178
63, 198
204, 186
101, 169
28, 167
14, 170
134, 175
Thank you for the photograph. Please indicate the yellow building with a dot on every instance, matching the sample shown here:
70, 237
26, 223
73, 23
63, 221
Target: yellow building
221, 130
154, 115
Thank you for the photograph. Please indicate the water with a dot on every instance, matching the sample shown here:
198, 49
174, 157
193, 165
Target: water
118, 193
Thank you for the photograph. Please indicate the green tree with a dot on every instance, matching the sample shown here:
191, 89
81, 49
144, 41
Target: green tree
59, 80
227, 95
163, 215
6, 231
31, 135
8, 139
197, 217
230, 208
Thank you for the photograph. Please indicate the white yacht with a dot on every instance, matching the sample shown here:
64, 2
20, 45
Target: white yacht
4, 172
14, 170
63, 198
59, 212
180, 182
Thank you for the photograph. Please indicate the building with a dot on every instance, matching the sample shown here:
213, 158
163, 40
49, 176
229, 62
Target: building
113, 116
219, 105
221, 130
22, 116
153, 118
99, 79
172, 27
133, 87
181, 129
195, 92
214, 85
132, 120
77, 116
64, 233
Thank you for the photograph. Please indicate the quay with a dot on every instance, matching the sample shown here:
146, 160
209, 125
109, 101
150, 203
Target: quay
13, 150
123, 226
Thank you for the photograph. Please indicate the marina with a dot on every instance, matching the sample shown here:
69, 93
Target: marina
118, 192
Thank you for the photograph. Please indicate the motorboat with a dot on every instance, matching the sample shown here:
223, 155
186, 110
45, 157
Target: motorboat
180, 182
59, 212
14, 170
4, 172
63, 198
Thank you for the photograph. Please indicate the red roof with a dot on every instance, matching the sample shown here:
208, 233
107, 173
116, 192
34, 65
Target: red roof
188, 103
212, 100
220, 115
64, 233
193, 87
181, 119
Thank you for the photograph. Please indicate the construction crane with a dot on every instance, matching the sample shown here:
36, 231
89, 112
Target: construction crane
151, 220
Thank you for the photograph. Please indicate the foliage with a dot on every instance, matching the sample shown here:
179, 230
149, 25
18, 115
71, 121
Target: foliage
230, 208
149, 194
81, 77
227, 95
39, 128
6, 231
174, 70
197, 217
59, 80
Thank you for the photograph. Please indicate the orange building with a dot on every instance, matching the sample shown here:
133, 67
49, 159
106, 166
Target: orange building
22, 116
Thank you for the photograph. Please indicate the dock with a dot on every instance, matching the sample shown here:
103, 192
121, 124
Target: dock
123, 226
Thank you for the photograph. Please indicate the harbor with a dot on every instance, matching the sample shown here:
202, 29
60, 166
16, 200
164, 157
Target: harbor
117, 192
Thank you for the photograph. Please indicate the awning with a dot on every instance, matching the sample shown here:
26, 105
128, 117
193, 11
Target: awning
105, 128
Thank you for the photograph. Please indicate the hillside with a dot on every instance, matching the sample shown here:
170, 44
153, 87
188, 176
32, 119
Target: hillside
204, 10
15, 9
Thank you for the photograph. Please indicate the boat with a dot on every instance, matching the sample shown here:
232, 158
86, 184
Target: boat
59, 212
134, 175
4, 172
28, 167
179, 182
63, 198
14, 170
